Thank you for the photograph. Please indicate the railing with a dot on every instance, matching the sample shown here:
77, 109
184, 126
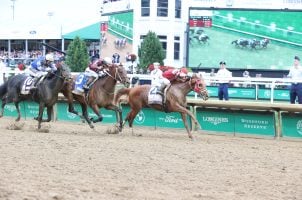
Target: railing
236, 82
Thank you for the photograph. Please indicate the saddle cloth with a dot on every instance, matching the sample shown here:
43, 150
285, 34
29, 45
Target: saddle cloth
29, 81
155, 96
79, 83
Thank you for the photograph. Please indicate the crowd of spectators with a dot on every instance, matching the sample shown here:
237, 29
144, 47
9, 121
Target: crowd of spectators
16, 58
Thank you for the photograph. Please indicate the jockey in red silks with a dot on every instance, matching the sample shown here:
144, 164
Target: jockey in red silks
171, 75
96, 70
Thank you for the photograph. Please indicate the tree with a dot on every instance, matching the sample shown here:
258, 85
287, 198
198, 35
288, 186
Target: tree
77, 56
151, 51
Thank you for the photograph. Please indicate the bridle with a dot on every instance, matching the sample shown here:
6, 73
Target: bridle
197, 87
65, 78
117, 76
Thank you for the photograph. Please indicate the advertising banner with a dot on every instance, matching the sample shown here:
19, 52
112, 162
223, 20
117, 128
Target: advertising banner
216, 120
278, 94
291, 124
259, 123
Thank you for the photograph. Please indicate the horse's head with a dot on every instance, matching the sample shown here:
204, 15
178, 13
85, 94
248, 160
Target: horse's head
198, 85
64, 71
118, 73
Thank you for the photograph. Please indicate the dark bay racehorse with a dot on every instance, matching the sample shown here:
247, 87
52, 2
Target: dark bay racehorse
46, 93
176, 99
100, 95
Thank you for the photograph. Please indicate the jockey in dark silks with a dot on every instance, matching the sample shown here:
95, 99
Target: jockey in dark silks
95, 70
40, 67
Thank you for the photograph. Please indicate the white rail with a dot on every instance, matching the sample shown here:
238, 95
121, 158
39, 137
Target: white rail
271, 83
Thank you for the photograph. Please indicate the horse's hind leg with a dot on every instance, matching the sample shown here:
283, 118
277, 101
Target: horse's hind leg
130, 117
95, 109
2, 106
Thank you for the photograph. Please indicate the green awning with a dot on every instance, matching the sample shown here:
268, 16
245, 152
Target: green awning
91, 32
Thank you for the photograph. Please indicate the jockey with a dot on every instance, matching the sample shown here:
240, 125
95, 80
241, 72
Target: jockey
156, 74
40, 67
171, 75
95, 70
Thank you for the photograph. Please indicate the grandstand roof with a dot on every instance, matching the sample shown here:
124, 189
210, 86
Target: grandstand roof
36, 32
91, 32
19, 31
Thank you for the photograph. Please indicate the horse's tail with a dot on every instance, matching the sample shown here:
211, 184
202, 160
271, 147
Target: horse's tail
3, 89
120, 93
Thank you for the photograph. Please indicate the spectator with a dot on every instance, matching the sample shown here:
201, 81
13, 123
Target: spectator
295, 73
223, 88
116, 58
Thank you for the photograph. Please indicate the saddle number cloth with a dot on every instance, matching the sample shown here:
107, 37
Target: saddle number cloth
154, 96
29, 81
80, 81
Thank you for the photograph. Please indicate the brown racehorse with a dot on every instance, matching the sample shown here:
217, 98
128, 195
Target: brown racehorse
176, 99
100, 95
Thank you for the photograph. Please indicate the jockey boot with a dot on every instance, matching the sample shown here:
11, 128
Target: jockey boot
36, 81
89, 83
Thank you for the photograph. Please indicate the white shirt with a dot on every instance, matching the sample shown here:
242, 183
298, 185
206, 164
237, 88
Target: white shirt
156, 75
224, 73
295, 73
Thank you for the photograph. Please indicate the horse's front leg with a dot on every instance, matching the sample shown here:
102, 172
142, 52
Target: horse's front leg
185, 112
40, 115
85, 114
69, 96
49, 112
18, 110
185, 121
118, 115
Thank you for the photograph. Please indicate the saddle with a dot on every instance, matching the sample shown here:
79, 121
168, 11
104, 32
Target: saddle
158, 96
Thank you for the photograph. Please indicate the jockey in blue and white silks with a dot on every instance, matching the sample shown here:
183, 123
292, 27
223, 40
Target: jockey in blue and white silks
41, 66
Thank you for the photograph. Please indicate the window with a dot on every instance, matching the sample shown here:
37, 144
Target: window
162, 8
145, 12
176, 47
177, 8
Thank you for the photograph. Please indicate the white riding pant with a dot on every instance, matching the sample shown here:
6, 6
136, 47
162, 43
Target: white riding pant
91, 73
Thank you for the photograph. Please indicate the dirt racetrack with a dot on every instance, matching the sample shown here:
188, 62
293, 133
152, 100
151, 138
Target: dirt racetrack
73, 162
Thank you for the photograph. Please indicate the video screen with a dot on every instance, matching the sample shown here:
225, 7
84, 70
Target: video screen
244, 39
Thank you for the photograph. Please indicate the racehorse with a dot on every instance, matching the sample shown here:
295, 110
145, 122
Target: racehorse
264, 42
242, 42
202, 38
46, 93
100, 95
175, 99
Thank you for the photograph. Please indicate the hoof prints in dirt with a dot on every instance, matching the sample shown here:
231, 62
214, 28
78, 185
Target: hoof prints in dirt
15, 126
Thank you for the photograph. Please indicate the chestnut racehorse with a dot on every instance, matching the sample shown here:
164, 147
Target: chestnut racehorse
100, 95
175, 99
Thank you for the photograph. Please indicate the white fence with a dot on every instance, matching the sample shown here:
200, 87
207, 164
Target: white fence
271, 83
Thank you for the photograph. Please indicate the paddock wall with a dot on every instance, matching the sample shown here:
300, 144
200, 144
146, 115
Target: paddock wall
214, 117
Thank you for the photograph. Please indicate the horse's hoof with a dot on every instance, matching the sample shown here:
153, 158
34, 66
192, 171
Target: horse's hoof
35, 118
91, 126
